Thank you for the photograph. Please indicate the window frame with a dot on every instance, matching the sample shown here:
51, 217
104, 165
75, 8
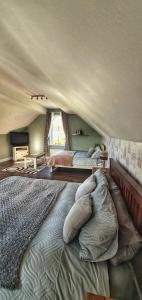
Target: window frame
51, 145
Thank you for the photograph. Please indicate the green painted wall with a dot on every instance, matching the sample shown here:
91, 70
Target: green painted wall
5, 148
36, 133
82, 142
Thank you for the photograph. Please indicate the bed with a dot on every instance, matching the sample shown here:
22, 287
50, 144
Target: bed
51, 269
74, 159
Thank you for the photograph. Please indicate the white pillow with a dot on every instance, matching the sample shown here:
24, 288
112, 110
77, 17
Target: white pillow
100, 177
103, 147
90, 151
99, 237
77, 216
86, 187
96, 154
97, 148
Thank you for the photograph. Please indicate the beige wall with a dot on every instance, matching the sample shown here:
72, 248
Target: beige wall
128, 153
5, 148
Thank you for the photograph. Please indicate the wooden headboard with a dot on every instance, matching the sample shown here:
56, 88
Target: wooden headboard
131, 191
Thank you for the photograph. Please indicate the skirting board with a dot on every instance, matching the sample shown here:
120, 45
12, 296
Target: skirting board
5, 159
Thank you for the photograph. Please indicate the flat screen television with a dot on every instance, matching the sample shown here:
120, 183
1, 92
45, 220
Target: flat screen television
19, 138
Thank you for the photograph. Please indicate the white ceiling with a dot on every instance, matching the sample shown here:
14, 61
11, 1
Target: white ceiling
85, 55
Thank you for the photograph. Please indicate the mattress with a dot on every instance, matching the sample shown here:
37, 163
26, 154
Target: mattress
51, 269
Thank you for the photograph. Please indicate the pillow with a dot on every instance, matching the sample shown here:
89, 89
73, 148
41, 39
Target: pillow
129, 241
86, 187
96, 154
77, 216
103, 147
97, 147
100, 177
90, 151
99, 237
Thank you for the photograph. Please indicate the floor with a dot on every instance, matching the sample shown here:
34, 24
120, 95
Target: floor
73, 175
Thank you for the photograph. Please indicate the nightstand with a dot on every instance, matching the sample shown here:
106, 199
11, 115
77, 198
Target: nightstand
97, 297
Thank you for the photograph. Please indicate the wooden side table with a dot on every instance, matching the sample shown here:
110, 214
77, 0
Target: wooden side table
97, 297
32, 157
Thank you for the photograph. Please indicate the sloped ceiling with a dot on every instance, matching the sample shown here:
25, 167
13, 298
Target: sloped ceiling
85, 56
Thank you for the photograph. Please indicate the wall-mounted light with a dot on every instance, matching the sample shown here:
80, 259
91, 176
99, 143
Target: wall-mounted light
39, 97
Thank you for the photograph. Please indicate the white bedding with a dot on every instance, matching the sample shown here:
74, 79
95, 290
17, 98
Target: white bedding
82, 160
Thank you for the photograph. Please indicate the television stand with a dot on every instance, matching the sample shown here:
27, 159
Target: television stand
19, 152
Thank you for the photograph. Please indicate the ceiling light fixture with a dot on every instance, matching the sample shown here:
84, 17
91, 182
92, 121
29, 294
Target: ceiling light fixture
39, 97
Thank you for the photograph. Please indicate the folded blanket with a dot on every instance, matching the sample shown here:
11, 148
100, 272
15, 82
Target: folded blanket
63, 158
24, 205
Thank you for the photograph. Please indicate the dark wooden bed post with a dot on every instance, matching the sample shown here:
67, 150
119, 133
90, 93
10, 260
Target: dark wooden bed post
131, 191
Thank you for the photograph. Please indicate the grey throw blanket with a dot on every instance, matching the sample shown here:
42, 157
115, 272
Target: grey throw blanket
24, 205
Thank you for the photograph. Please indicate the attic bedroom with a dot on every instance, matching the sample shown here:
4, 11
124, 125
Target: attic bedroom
70, 149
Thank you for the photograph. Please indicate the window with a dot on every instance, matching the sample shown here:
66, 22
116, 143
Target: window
56, 134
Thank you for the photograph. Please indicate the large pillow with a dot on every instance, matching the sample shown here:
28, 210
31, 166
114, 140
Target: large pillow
100, 178
103, 147
99, 237
90, 151
97, 147
130, 241
77, 216
86, 187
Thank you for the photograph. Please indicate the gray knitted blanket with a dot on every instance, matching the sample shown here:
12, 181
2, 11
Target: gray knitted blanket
24, 205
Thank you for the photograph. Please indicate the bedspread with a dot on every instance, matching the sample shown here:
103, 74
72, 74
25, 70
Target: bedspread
24, 205
52, 270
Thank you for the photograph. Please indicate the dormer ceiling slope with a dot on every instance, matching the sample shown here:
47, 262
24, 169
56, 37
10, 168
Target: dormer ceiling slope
85, 56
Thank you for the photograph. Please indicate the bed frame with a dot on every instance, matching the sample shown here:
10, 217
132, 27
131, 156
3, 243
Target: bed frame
78, 167
131, 191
